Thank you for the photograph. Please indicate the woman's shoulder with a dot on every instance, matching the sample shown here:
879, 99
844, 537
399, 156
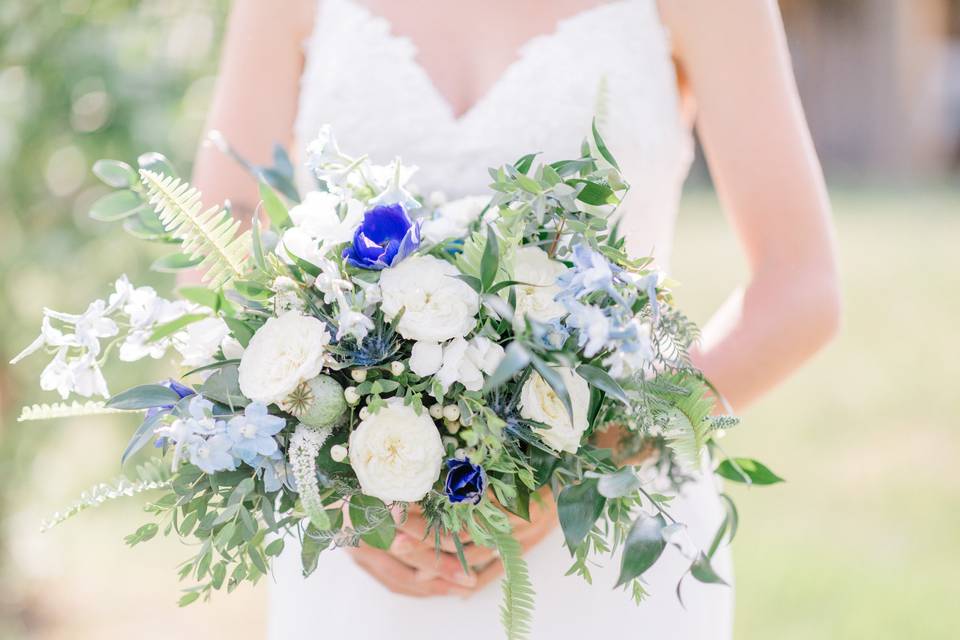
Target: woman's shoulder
296, 19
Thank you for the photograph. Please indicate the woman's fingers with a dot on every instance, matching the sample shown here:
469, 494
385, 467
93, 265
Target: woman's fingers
400, 578
423, 557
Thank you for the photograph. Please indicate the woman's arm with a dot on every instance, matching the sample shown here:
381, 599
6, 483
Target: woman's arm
734, 56
255, 101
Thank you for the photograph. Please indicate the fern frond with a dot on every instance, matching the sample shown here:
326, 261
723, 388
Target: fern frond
209, 236
689, 421
516, 612
101, 493
65, 410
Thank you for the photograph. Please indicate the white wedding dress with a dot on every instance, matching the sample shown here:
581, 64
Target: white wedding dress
613, 61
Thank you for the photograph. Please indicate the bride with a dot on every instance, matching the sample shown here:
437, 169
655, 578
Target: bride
455, 87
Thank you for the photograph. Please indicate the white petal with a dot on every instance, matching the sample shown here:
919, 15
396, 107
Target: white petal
426, 358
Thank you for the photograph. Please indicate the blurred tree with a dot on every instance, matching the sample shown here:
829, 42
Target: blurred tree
82, 80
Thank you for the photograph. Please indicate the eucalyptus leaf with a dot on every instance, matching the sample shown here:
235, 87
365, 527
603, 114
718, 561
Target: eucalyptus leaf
240, 330
642, 548
602, 147
223, 386
115, 173
156, 162
169, 328
276, 210
602, 380
384, 531
702, 570
578, 507
174, 262
116, 206
747, 471
490, 262
145, 396
620, 483
141, 437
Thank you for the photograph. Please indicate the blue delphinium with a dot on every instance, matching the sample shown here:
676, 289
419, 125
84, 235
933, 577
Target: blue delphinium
465, 482
385, 237
274, 470
212, 454
252, 433
591, 272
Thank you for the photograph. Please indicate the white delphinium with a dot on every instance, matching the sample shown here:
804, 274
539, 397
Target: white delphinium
457, 361
392, 181
453, 219
199, 342
437, 306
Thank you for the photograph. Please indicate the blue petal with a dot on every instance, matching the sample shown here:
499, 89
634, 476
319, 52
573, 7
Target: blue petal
386, 222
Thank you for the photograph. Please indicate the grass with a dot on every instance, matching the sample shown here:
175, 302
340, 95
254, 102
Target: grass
861, 542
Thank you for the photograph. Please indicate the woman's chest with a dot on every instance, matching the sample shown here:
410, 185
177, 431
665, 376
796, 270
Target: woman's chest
611, 61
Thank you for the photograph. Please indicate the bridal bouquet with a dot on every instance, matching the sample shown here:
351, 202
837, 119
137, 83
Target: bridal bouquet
371, 349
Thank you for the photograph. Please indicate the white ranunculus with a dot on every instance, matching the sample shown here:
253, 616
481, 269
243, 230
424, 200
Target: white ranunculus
467, 362
396, 453
438, 306
453, 219
539, 402
536, 297
426, 358
284, 352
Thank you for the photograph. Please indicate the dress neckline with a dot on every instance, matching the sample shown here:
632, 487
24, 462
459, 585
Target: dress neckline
518, 60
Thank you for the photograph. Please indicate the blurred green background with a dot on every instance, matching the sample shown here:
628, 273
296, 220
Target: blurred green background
862, 542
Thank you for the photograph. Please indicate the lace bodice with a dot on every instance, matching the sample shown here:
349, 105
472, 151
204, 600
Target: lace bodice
612, 61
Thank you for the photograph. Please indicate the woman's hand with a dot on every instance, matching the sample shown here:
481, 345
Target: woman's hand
413, 567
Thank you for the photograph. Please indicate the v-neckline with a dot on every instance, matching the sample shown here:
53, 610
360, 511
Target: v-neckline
519, 57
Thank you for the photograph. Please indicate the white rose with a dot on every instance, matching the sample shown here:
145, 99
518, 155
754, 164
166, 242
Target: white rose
284, 352
396, 453
536, 297
539, 402
438, 306
453, 219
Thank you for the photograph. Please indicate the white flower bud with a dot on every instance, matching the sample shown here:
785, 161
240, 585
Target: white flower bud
364, 413
338, 452
452, 426
396, 368
451, 412
459, 454
436, 411
358, 375
351, 396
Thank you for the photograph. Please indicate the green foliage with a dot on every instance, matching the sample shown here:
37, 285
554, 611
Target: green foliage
151, 476
208, 235
747, 471
59, 410
689, 424
516, 612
